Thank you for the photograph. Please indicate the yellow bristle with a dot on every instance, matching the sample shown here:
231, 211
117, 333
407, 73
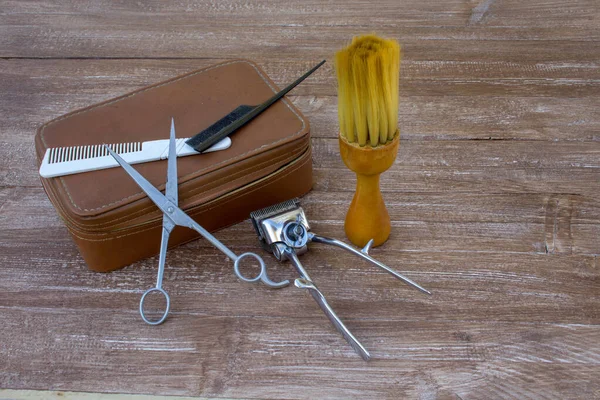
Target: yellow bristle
368, 77
358, 93
346, 118
394, 74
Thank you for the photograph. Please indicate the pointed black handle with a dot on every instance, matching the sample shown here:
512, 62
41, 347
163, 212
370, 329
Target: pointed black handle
239, 117
202, 141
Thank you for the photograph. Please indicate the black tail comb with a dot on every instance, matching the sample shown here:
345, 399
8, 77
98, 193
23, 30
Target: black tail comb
238, 118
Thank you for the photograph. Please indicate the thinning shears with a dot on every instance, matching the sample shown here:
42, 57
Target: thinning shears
174, 216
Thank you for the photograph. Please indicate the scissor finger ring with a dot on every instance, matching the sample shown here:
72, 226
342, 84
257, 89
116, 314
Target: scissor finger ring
165, 313
262, 275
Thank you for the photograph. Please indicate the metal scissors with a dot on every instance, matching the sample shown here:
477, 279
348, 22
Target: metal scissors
174, 216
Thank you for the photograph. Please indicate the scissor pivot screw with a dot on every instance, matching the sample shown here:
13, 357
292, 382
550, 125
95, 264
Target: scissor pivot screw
170, 210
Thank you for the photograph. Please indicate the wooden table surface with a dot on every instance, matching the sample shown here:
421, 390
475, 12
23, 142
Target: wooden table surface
494, 199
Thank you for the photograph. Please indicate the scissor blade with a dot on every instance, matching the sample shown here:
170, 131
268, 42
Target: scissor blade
155, 195
171, 186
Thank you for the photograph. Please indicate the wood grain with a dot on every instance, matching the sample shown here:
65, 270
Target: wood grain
493, 200
441, 100
62, 395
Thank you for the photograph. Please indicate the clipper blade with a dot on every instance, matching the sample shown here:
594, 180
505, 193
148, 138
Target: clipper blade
268, 212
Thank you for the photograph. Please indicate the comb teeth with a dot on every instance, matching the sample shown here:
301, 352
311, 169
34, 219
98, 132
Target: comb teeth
74, 153
275, 209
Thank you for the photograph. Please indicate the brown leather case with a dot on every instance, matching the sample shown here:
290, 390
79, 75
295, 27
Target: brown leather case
115, 224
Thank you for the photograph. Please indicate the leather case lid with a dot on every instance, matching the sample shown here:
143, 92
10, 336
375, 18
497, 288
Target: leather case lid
195, 100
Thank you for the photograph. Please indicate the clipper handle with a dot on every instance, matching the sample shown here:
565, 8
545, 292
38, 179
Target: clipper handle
290, 254
364, 254
335, 320
306, 283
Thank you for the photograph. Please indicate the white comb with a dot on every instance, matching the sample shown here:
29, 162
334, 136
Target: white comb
61, 161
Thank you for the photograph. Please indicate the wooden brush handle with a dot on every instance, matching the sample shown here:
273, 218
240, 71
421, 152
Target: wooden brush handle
367, 216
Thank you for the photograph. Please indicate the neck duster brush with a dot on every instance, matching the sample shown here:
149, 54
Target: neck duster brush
368, 73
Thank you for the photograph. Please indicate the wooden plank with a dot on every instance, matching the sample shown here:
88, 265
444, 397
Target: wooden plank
475, 287
423, 222
436, 97
513, 13
413, 13
79, 29
119, 35
249, 357
62, 395
271, 13
466, 166
481, 78
315, 45
469, 166
455, 245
